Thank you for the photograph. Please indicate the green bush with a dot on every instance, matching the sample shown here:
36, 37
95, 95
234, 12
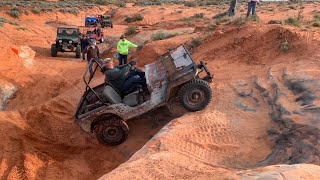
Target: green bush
292, 21
130, 30
239, 21
220, 15
160, 35
190, 3
3, 21
195, 42
198, 15
317, 21
134, 18
15, 12
36, 10
295, 21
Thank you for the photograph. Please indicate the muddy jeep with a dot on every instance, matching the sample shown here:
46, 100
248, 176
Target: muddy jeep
103, 110
106, 21
68, 40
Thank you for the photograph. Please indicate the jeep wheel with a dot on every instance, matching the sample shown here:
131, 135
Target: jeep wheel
111, 25
113, 131
195, 95
102, 39
78, 51
54, 50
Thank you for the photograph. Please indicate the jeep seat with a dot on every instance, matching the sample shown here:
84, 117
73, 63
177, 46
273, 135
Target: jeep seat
113, 97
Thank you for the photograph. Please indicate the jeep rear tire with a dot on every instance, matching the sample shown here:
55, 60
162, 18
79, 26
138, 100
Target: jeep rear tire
111, 25
54, 50
195, 95
102, 39
78, 51
113, 131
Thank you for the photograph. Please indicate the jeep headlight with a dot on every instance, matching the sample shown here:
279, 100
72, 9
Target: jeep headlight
60, 41
70, 42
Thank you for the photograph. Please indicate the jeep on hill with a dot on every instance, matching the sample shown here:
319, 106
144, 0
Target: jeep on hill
104, 110
106, 21
68, 40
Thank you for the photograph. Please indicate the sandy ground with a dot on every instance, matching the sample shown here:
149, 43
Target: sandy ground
229, 139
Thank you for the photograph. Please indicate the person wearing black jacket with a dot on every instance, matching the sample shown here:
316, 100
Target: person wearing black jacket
126, 78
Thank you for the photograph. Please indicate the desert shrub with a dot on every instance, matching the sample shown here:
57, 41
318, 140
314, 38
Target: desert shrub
180, 11
22, 28
160, 35
220, 15
295, 21
222, 20
134, 18
102, 2
254, 18
15, 23
292, 21
74, 11
317, 21
148, 2
212, 27
195, 42
292, 7
15, 12
275, 22
190, 3
130, 30
36, 10
3, 21
285, 46
239, 21
198, 15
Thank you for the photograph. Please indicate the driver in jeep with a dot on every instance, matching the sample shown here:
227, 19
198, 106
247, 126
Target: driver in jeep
125, 78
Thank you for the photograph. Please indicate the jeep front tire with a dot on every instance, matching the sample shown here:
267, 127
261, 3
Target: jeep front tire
78, 51
54, 50
113, 131
195, 95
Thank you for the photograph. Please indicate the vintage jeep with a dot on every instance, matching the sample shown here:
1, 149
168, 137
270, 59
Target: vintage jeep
68, 40
93, 33
103, 110
106, 21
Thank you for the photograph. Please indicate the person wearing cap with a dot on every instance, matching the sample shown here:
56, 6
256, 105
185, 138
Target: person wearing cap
124, 78
92, 50
123, 49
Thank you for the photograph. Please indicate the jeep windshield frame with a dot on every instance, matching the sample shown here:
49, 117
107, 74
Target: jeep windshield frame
72, 32
178, 61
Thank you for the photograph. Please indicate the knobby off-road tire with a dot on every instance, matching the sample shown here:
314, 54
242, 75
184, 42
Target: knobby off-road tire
54, 50
78, 51
113, 131
195, 95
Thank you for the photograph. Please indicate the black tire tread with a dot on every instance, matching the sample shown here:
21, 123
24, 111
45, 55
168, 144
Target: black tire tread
187, 86
112, 120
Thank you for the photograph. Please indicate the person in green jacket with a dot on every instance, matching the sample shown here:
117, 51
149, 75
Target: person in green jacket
123, 49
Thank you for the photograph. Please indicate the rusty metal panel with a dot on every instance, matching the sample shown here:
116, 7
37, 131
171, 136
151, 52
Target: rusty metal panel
155, 74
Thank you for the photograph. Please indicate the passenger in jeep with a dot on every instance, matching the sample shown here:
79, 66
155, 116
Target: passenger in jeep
125, 78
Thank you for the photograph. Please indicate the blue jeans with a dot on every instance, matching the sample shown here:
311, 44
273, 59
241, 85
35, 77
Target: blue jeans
134, 80
252, 6
122, 59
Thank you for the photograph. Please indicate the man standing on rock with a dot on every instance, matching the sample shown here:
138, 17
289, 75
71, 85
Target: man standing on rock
252, 4
123, 49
